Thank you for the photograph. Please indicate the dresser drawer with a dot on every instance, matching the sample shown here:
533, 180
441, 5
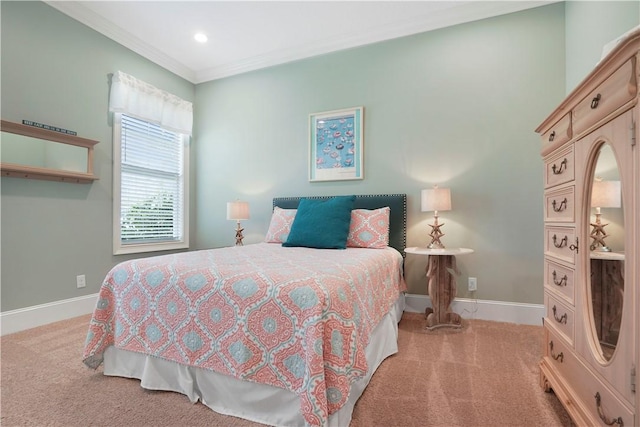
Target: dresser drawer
559, 279
598, 399
603, 405
617, 89
559, 242
559, 353
559, 168
559, 133
584, 384
560, 316
559, 205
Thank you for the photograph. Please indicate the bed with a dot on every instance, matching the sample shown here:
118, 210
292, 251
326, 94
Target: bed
283, 336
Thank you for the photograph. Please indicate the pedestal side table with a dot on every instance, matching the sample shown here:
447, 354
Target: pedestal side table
441, 285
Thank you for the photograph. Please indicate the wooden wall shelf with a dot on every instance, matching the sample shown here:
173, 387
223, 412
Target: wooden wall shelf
16, 170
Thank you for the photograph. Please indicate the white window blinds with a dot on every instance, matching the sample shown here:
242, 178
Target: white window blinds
151, 182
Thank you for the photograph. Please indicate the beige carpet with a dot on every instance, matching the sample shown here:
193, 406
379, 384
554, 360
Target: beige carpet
484, 374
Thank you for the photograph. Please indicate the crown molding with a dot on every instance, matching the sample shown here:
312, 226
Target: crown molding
105, 27
463, 12
467, 12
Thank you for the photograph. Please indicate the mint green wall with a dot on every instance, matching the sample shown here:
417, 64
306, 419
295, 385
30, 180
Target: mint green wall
55, 71
590, 25
456, 106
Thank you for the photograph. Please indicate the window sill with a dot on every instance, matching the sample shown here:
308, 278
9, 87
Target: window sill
149, 247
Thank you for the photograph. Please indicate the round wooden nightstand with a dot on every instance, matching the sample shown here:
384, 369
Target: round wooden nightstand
442, 284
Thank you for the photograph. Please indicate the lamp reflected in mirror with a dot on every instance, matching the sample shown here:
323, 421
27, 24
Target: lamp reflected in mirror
604, 194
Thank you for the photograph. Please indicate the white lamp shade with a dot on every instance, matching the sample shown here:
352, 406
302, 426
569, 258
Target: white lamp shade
436, 199
237, 210
605, 194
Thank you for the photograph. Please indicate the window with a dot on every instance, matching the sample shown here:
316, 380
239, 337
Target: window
151, 165
151, 130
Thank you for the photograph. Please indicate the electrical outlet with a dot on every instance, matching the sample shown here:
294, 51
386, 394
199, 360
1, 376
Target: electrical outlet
473, 284
81, 281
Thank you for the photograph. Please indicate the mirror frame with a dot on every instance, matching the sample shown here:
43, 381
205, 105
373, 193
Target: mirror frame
590, 175
22, 171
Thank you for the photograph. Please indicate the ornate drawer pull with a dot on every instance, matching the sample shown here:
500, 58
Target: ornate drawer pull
552, 136
603, 417
559, 357
595, 101
562, 319
563, 167
561, 207
563, 242
561, 282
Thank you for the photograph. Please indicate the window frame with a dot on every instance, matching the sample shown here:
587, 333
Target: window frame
120, 248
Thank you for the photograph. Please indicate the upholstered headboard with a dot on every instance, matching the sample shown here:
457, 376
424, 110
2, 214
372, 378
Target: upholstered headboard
397, 216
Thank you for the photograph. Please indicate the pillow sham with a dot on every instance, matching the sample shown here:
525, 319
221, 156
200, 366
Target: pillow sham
275, 234
369, 228
280, 225
321, 224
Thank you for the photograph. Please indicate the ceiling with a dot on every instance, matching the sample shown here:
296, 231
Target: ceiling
249, 35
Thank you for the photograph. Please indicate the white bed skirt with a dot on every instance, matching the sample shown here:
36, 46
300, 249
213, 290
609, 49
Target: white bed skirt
255, 402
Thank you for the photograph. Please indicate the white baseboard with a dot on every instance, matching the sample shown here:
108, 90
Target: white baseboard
38, 315
511, 312
498, 311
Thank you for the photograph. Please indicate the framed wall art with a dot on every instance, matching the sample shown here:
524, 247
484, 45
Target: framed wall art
336, 145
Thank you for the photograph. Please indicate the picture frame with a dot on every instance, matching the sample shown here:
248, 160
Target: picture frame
336, 145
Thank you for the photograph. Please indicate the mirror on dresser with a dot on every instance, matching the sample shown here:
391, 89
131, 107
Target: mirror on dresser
606, 257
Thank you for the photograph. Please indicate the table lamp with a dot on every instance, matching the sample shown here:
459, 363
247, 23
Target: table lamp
436, 199
604, 194
238, 211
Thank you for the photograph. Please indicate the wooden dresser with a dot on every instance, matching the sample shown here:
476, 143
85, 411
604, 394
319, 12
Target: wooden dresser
591, 290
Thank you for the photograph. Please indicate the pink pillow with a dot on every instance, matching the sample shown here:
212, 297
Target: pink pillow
369, 228
280, 225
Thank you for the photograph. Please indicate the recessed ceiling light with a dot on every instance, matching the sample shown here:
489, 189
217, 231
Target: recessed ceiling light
201, 37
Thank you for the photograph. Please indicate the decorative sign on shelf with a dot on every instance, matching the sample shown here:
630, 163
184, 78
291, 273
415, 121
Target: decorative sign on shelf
47, 127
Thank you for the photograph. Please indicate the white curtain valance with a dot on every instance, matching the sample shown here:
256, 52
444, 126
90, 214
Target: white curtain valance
141, 100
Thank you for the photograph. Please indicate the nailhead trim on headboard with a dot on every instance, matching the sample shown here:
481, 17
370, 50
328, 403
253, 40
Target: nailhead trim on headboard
397, 218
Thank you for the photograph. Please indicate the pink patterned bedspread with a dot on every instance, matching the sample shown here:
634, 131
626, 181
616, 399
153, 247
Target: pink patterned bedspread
294, 318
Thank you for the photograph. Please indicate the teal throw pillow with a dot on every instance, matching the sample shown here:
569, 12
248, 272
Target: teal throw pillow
321, 224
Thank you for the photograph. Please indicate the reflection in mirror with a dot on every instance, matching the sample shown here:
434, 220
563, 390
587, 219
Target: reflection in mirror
28, 151
38, 153
607, 251
606, 198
